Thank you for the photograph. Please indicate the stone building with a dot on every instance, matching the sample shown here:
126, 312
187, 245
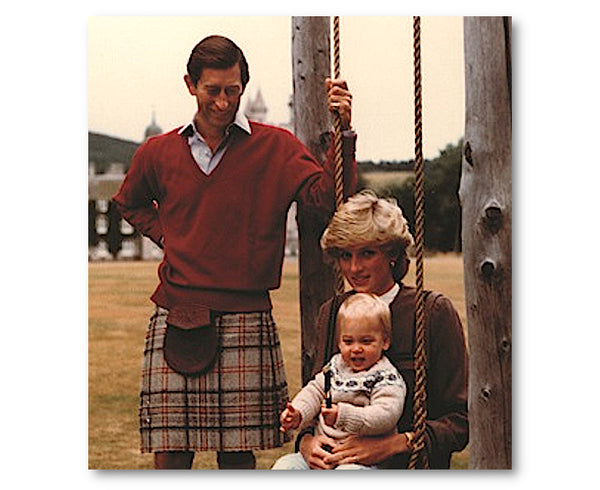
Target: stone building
109, 236
256, 109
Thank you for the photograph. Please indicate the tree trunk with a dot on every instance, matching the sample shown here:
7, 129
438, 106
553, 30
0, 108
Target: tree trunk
486, 198
310, 66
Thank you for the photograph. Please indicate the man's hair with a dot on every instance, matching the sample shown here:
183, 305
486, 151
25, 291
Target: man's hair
366, 305
366, 220
217, 52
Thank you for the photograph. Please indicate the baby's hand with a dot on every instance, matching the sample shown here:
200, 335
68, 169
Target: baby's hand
329, 414
290, 418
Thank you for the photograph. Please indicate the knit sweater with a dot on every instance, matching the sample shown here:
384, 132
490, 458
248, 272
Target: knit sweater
223, 234
369, 402
447, 427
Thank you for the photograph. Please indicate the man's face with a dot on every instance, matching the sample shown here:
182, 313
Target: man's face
218, 94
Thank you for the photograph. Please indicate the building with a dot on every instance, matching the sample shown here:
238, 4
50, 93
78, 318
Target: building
153, 129
109, 236
256, 109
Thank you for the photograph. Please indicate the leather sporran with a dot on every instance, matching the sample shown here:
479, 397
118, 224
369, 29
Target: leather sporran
191, 342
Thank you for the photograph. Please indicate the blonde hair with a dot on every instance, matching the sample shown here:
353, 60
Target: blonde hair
366, 305
367, 220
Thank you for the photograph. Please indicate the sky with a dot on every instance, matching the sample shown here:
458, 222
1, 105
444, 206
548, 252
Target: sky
136, 67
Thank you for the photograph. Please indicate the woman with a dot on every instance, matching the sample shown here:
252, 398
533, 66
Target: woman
367, 238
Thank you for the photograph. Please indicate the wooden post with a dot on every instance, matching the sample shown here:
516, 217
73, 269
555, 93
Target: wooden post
311, 64
486, 198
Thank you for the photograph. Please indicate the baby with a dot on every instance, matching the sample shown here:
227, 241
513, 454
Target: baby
367, 392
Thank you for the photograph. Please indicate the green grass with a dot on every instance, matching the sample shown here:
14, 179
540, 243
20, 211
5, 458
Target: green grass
118, 312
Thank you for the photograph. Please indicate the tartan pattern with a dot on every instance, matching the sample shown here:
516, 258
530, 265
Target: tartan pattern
233, 407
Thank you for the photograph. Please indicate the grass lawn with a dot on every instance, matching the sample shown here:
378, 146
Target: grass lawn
119, 309
380, 180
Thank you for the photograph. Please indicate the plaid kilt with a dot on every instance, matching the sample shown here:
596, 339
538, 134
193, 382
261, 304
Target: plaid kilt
233, 407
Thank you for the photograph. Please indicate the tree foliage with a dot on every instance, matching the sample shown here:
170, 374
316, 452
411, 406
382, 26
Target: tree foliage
442, 207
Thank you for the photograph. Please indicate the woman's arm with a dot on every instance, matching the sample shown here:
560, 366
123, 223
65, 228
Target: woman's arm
368, 450
447, 428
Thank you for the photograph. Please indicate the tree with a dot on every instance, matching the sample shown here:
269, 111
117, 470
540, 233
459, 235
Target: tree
310, 67
442, 207
486, 197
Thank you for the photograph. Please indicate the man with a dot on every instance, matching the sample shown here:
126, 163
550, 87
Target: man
214, 194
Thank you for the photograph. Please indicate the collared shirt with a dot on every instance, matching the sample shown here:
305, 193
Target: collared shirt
204, 157
389, 296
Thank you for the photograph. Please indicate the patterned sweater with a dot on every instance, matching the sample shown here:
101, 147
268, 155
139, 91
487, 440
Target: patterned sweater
369, 402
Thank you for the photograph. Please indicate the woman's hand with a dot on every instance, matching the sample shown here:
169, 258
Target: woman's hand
340, 100
313, 450
367, 450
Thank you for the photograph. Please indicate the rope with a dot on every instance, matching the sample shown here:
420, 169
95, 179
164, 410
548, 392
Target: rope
420, 396
418, 456
337, 126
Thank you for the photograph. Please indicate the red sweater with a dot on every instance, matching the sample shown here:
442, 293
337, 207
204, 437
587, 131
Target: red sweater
223, 234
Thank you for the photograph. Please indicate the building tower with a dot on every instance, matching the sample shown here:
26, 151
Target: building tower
256, 109
153, 129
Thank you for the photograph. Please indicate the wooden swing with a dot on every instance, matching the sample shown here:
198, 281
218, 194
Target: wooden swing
418, 458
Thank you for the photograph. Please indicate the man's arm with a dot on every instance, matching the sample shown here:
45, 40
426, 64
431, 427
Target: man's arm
137, 199
339, 100
318, 191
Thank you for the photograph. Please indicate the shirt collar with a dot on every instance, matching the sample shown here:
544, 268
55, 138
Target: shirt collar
240, 120
389, 296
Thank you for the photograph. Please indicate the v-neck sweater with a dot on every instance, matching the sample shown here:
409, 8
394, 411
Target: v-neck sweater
223, 234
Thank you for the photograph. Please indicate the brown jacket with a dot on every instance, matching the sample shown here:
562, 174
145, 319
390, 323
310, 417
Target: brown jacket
447, 427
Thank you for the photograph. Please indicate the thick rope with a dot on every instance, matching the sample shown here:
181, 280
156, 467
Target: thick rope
418, 457
337, 126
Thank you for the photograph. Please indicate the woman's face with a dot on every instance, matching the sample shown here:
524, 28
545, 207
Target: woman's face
367, 269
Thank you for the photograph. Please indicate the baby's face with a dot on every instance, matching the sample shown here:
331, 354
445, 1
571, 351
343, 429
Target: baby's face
361, 342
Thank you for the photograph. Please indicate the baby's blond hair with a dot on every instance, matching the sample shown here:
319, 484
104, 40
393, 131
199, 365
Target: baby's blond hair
367, 305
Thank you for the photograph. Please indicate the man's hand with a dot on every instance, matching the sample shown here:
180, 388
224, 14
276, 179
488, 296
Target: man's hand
340, 100
290, 418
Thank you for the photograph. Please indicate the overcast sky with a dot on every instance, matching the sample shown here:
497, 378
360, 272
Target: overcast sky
136, 66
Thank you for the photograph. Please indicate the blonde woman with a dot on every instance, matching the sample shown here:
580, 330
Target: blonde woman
368, 239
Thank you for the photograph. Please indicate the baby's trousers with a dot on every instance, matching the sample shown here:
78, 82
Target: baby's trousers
295, 461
